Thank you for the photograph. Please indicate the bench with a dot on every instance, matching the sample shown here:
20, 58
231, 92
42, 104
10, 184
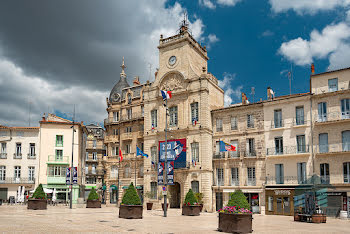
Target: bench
305, 218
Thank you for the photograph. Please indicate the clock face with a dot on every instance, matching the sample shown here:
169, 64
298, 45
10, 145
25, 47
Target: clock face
172, 60
116, 97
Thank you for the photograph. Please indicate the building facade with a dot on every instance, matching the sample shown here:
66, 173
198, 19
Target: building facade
18, 160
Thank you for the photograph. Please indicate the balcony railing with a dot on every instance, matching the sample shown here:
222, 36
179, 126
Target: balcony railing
13, 180
333, 148
3, 155
31, 156
299, 121
301, 149
17, 156
251, 182
234, 182
332, 116
133, 116
248, 153
274, 180
54, 159
233, 154
219, 155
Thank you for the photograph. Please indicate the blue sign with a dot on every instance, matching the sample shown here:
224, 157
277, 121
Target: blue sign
160, 173
170, 152
176, 151
170, 172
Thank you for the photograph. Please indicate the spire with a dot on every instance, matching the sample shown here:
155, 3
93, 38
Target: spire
184, 23
122, 74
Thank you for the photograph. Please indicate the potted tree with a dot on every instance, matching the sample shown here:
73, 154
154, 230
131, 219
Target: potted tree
38, 201
190, 206
150, 196
93, 201
199, 197
131, 207
236, 216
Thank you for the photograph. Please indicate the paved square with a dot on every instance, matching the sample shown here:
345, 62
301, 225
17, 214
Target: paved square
62, 219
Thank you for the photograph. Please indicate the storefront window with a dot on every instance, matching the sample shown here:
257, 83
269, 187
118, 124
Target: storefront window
270, 204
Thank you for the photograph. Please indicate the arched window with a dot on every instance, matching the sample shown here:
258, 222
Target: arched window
195, 186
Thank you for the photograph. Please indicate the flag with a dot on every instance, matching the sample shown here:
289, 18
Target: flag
120, 155
153, 164
194, 121
139, 152
166, 94
226, 147
152, 126
194, 162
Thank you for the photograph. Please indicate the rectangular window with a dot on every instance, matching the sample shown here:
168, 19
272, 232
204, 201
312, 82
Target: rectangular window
142, 111
86, 156
115, 132
93, 169
234, 154
219, 125
31, 173
278, 145
233, 123
333, 85
278, 123
301, 145
194, 112
234, 176
18, 150
59, 140
195, 151
94, 143
324, 173
3, 152
279, 170
116, 116
251, 147
17, 172
322, 112
173, 116
195, 186
59, 155
2, 173
346, 171
127, 172
220, 176
154, 154
345, 140
57, 171
129, 113
301, 167
270, 203
154, 190
323, 142
250, 121
128, 129
86, 169
32, 149
154, 120
114, 172
345, 108
251, 176
94, 156
127, 148
299, 114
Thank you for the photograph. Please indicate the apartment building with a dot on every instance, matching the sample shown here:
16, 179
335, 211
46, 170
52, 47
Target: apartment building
93, 173
241, 125
56, 138
18, 160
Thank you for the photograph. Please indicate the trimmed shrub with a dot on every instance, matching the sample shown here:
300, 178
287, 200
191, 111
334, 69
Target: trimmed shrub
93, 196
190, 199
39, 193
199, 197
131, 197
238, 199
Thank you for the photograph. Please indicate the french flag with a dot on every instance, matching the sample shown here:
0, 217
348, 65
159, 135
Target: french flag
166, 94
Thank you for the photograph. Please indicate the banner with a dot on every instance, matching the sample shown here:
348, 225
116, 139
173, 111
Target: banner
176, 151
75, 175
160, 173
170, 172
68, 176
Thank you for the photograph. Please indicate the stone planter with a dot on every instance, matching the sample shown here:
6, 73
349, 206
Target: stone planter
296, 217
130, 212
201, 207
235, 223
319, 218
167, 206
149, 205
93, 204
191, 210
37, 204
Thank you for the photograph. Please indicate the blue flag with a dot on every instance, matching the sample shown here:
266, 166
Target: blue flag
226, 147
139, 152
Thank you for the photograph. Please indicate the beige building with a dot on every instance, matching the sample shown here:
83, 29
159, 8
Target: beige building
18, 160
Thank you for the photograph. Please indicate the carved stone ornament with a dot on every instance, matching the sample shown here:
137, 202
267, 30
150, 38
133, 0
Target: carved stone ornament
172, 82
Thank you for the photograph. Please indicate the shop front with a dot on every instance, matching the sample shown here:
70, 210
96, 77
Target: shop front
279, 201
253, 196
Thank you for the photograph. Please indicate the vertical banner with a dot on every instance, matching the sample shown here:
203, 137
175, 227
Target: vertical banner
68, 176
75, 175
170, 173
160, 173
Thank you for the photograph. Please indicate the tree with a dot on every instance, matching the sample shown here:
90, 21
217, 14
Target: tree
93, 195
39, 193
190, 198
131, 197
238, 199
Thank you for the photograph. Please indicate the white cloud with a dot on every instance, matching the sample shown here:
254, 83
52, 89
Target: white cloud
320, 45
212, 39
307, 6
228, 2
340, 58
207, 3
231, 94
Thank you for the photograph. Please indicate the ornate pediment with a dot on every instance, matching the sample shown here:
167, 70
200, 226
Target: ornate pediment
172, 82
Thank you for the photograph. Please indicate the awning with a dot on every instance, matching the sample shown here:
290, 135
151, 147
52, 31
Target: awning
104, 187
113, 187
137, 187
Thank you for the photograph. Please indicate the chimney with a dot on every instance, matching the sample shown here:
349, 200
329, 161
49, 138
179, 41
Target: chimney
244, 99
136, 80
269, 96
312, 69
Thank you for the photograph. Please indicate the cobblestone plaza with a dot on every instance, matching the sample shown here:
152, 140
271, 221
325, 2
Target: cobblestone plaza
17, 218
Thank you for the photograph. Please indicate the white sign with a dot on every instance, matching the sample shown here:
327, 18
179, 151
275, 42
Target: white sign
164, 193
282, 192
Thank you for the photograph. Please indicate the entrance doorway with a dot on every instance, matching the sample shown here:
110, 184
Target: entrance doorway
283, 205
175, 194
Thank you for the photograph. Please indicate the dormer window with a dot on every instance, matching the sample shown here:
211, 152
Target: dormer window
333, 85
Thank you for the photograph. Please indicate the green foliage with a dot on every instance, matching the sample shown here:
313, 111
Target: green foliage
238, 199
150, 195
131, 197
93, 195
39, 193
199, 197
190, 199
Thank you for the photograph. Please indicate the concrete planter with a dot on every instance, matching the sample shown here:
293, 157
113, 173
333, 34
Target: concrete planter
37, 204
130, 212
149, 205
93, 204
191, 210
235, 223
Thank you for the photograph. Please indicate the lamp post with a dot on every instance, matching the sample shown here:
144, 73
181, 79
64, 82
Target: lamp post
166, 158
72, 168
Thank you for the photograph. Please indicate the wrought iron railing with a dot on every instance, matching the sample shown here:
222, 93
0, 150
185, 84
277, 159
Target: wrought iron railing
14, 180
301, 149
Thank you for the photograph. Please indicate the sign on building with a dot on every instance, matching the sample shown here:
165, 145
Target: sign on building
176, 151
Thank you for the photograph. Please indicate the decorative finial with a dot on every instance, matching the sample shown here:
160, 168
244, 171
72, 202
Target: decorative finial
184, 23
122, 74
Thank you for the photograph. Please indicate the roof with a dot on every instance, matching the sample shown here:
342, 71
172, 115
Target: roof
19, 128
322, 73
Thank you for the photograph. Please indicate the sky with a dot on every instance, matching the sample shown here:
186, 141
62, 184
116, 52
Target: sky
57, 54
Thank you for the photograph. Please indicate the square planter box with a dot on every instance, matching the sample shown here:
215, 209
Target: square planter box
319, 218
191, 210
149, 205
130, 212
235, 223
37, 204
93, 204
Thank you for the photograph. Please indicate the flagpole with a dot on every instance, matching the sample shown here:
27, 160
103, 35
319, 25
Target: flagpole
166, 157
135, 168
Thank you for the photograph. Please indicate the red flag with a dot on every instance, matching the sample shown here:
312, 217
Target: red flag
120, 155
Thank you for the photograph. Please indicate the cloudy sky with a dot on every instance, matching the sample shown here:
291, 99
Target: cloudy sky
54, 54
